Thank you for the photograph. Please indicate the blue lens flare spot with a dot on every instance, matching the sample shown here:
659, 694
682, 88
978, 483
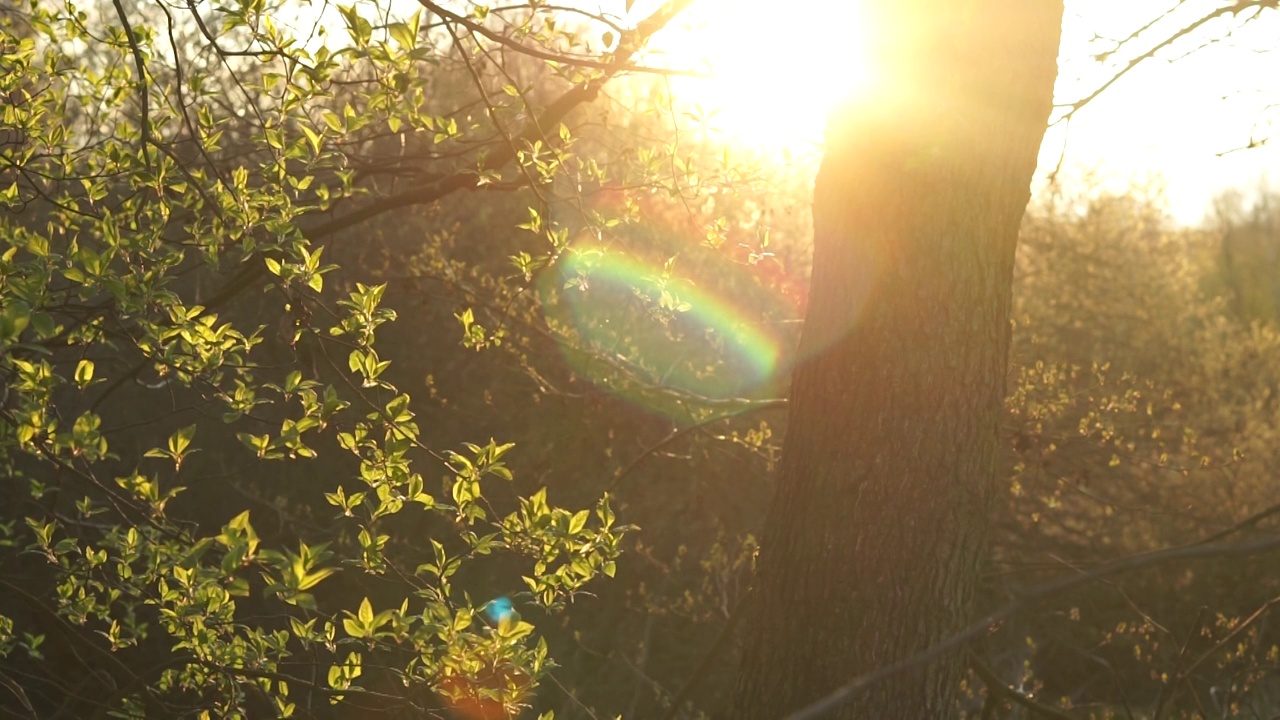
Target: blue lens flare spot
498, 609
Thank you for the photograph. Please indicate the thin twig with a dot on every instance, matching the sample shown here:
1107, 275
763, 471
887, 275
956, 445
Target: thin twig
141, 66
503, 40
1170, 688
998, 689
1074, 107
681, 432
708, 660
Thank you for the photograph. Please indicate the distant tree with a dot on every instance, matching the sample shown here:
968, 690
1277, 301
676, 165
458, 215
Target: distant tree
1249, 259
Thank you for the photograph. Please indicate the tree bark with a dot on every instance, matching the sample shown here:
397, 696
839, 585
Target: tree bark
877, 533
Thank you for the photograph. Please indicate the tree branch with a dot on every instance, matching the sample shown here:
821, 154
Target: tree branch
704, 667
507, 42
1134, 562
628, 45
681, 432
1236, 9
141, 68
999, 690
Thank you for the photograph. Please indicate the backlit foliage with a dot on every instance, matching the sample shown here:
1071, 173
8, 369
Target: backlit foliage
339, 359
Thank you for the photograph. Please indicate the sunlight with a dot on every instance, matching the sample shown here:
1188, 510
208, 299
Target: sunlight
774, 75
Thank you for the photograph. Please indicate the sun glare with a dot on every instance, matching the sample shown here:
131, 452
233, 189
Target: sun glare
774, 75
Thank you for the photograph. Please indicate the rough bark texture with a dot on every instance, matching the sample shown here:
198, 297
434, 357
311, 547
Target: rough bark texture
875, 539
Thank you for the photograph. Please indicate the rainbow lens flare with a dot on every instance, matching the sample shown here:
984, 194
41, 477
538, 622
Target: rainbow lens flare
637, 328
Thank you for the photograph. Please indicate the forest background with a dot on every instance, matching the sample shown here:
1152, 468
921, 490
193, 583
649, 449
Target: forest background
432, 361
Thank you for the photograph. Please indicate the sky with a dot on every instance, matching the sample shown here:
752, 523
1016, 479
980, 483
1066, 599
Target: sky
1171, 119
1174, 115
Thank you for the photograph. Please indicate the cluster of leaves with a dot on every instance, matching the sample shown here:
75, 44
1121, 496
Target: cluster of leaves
156, 167
1139, 419
652, 401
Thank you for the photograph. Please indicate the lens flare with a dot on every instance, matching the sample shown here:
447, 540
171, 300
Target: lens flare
491, 690
637, 328
499, 609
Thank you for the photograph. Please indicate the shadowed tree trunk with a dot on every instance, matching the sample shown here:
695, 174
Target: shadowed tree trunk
878, 531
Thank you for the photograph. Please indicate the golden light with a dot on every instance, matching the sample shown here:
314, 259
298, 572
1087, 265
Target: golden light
774, 73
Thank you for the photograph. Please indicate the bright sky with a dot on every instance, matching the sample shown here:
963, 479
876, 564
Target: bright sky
777, 73
1174, 116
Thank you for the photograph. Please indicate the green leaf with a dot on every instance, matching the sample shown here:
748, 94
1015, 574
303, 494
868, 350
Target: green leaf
238, 587
334, 121
462, 620
181, 440
84, 373
313, 138
14, 318
359, 28
196, 552
312, 579
404, 34
578, 521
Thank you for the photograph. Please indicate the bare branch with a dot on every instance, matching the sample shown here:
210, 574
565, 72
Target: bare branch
1197, 551
480, 29
681, 432
999, 690
704, 667
1075, 106
141, 68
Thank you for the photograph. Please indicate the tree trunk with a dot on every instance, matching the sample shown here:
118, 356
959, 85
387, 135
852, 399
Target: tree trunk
878, 531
